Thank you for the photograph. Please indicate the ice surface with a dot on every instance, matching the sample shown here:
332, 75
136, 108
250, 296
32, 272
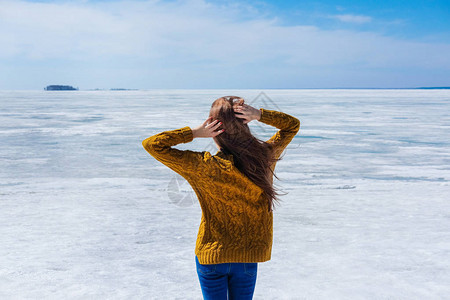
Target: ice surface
87, 213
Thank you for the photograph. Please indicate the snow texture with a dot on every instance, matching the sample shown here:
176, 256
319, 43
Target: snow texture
87, 213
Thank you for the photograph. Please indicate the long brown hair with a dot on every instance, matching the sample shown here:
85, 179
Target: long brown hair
252, 156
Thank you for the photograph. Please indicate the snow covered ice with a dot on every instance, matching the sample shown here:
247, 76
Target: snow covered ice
87, 213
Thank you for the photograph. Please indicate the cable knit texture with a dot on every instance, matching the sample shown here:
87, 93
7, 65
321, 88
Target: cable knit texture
235, 225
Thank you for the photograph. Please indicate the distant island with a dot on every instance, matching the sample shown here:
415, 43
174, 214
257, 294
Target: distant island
60, 88
120, 89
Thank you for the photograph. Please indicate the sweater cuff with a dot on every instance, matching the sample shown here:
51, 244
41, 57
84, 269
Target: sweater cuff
187, 134
265, 115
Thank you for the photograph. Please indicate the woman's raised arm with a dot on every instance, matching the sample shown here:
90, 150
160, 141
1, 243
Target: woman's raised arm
288, 127
181, 161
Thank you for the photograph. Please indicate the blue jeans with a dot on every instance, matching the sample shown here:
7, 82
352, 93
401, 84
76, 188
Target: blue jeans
235, 279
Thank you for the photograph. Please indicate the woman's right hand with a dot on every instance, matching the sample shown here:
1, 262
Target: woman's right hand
246, 112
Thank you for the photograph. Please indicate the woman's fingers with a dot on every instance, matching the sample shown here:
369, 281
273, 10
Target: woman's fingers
218, 132
206, 121
207, 129
214, 132
217, 125
242, 115
211, 124
211, 127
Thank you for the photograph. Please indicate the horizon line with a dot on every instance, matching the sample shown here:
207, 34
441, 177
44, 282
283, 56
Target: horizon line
325, 88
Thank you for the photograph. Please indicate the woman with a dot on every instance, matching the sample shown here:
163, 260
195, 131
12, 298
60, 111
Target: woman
234, 188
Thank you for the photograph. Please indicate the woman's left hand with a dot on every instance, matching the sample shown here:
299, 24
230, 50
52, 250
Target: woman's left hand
207, 129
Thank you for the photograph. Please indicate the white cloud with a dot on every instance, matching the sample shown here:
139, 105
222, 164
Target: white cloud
182, 36
353, 18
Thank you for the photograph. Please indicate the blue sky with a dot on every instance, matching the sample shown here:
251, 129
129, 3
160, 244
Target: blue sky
405, 19
224, 44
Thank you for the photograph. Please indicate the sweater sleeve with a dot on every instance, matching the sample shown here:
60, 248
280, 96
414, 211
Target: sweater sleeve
288, 127
184, 162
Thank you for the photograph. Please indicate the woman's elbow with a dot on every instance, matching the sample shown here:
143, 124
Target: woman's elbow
296, 127
148, 145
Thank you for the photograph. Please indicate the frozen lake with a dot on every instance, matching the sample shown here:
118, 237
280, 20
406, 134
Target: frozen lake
87, 213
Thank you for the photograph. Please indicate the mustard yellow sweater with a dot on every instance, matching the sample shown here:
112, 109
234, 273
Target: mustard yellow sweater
235, 225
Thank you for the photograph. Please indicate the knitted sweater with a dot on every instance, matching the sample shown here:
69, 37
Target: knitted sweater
235, 225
